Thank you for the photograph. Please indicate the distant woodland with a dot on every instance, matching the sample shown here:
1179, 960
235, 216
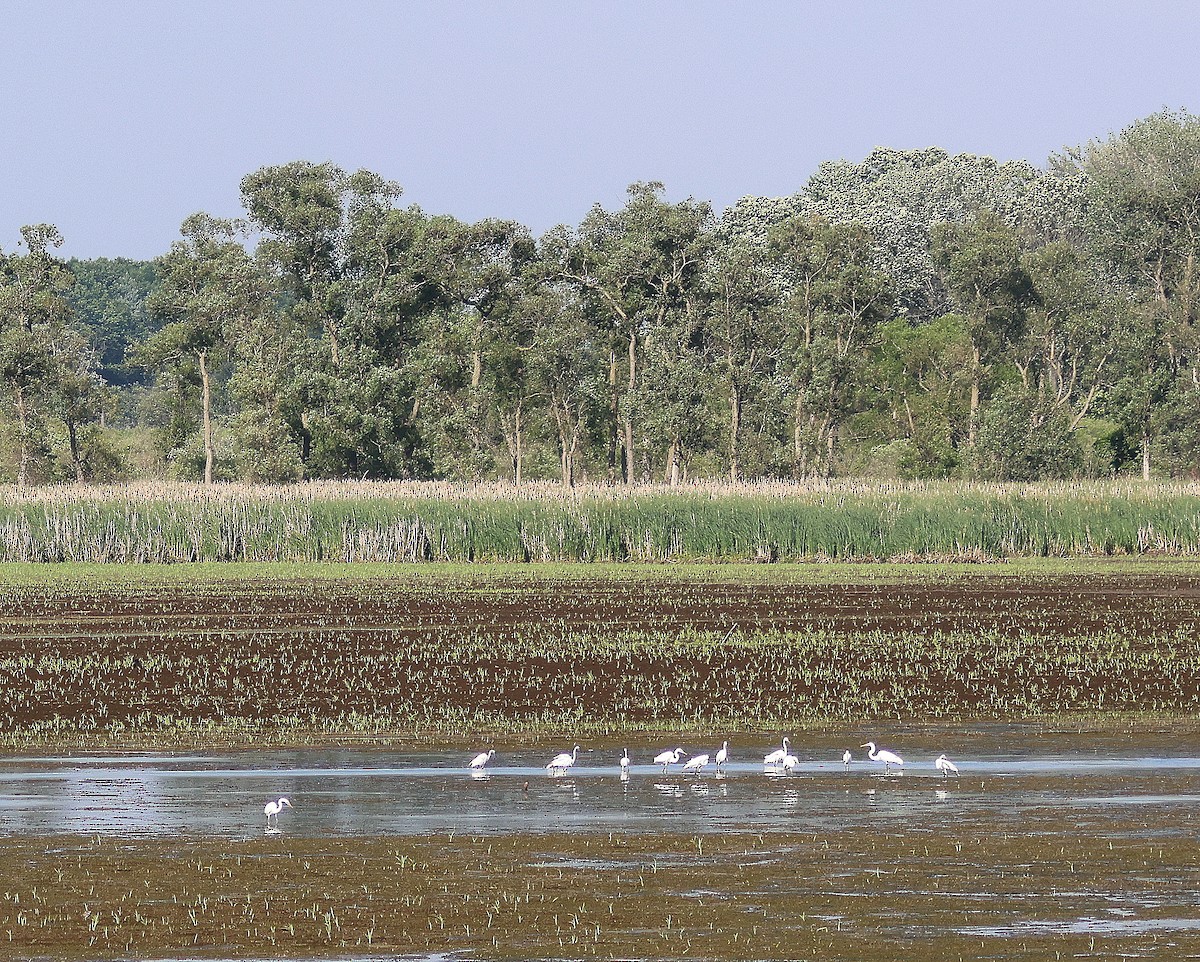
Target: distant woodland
911, 315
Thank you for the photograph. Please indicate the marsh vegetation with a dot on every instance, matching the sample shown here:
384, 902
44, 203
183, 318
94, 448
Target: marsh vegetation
251, 654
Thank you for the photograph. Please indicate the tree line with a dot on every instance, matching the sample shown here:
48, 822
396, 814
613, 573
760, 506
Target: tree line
915, 314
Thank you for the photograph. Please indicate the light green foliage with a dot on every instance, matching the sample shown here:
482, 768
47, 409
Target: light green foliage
639, 267
46, 367
882, 320
900, 196
831, 300
209, 295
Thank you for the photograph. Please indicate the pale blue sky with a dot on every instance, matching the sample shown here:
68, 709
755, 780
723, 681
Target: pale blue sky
120, 119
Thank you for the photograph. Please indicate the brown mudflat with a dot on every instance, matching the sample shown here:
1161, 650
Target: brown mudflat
506, 650
844, 895
1045, 603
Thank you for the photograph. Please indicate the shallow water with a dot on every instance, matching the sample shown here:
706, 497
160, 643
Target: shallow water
1049, 844
1012, 779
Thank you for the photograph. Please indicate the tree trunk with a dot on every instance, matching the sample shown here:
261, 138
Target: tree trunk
514, 439
73, 440
206, 395
800, 465
973, 417
735, 427
1145, 457
23, 422
334, 345
518, 443
612, 416
629, 464
673, 463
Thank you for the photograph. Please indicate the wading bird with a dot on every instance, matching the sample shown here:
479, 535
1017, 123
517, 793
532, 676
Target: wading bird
695, 763
723, 754
668, 758
847, 758
483, 758
945, 766
776, 757
272, 810
883, 755
560, 763
789, 763
625, 764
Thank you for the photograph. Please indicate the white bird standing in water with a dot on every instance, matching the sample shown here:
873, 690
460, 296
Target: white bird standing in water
945, 766
483, 758
723, 753
272, 810
625, 764
560, 763
883, 755
789, 763
776, 757
695, 763
668, 758
847, 758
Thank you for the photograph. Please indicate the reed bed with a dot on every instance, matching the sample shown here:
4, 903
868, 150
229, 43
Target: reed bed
399, 522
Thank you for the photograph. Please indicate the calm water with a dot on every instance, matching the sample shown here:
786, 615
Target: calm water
1011, 780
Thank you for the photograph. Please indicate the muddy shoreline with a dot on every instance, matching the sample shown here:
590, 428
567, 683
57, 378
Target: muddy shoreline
846, 895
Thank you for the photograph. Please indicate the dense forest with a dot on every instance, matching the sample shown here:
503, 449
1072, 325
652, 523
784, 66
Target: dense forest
914, 315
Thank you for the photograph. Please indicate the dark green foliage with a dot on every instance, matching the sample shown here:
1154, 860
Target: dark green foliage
917, 315
109, 300
1022, 438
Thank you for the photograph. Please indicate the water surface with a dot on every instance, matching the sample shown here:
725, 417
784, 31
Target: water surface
1011, 780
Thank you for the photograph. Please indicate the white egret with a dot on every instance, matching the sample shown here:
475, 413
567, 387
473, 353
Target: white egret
723, 753
695, 763
668, 758
945, 766
625, 764
847, 758
560, 763
883, 755
483, 758
272, 810
777, 756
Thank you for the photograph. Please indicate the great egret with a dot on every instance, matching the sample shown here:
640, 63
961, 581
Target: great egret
560, 763
723, 753
695, 763
847, 758
945, 766
777, 756
883, 755
483, 758
668, 758
625, 764
272, 810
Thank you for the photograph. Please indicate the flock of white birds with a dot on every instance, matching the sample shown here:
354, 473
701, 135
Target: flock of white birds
781, 760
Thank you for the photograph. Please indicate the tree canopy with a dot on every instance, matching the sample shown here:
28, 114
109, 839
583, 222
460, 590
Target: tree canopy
912, 314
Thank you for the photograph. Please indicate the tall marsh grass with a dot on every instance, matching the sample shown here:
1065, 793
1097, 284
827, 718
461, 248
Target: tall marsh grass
411, 521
